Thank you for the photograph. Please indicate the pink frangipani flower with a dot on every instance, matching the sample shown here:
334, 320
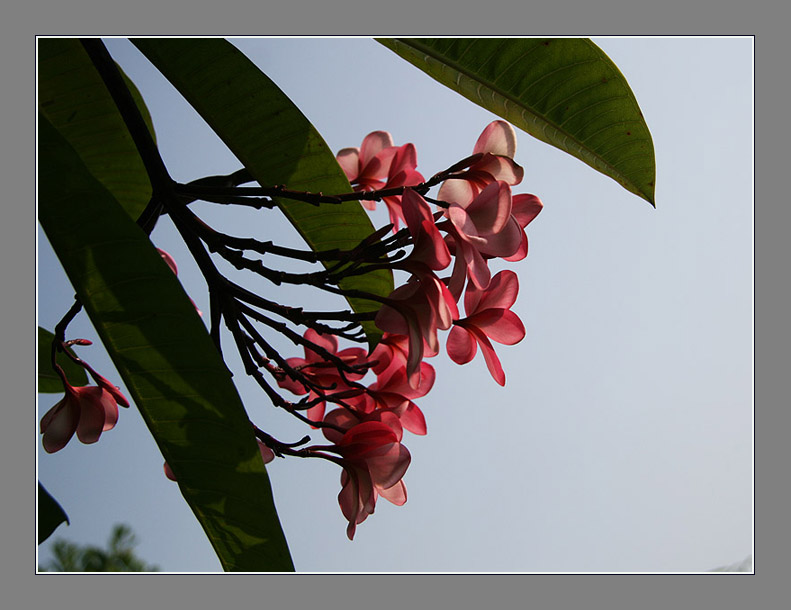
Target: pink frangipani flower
489, 316
86, 410
374, 462
367, 167
479, 229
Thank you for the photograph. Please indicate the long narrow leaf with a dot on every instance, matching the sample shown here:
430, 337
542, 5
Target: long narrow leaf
563, 91
274, 141
166, 358
73, 97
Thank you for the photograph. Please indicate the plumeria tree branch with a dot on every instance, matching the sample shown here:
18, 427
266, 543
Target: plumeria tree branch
475, 218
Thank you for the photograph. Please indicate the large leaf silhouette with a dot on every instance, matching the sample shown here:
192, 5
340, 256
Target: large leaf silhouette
563, 91
50, 514
72, 96
274, 141
165, 356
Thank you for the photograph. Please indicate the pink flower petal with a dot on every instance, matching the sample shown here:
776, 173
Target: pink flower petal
492, 361
412, 419
525, 208
267, 455
491, 208
521, 251
500, 325
506, 243
500, 294
464, 224
395, 494
59, 424
109, 387
493, 167
374, 143
349, 160
403, 164
93, 413
316, 412
169, 261
457, 191
169, 472
388, 465
461, 346
477, 267
328, 342
399, 385
498, 138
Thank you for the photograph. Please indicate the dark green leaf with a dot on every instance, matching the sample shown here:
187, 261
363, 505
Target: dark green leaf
48, 380
166, 358
50, 514
563, 91
273, 140
73, 97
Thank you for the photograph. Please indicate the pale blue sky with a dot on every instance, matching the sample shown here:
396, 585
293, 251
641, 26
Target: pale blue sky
623, 438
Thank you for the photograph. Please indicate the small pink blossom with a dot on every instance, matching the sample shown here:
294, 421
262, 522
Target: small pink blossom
378, 165
367, 167
86, 410
481, 228
374, 462
488, 317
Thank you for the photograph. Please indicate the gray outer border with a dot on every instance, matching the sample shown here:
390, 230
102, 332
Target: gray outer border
622, 17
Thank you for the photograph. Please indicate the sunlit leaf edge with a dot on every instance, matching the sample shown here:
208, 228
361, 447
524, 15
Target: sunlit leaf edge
463, 79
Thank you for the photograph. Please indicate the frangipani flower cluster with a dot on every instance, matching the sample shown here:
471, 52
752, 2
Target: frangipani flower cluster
363, 402
477, 219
